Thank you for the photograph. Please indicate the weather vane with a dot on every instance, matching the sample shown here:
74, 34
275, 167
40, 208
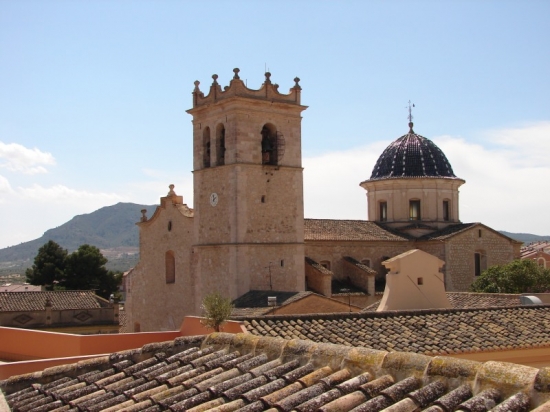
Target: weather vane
410, 112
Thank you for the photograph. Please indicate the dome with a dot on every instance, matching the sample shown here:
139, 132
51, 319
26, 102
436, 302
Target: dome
412, 155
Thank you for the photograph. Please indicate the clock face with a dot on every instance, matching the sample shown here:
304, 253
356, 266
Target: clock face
214, 199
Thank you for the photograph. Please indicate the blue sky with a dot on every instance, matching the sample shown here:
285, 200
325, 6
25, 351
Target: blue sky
93, 97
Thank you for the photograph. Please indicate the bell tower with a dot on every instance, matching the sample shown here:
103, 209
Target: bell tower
248, 188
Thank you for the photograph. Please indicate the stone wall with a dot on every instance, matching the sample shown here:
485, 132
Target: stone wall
460, 251
152, 304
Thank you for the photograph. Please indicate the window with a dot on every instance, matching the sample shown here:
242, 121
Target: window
366, 262
220, 144
170, 262
383, 211
269, 144
479, 233
206, 147
137, 327
414, 209
325, 264
419, 281
541, 262
446, 214
263, 198
169, 225
480, 263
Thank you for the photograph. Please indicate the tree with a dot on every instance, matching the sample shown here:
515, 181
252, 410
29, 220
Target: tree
48, 267
85, 270
518, 276
217, 310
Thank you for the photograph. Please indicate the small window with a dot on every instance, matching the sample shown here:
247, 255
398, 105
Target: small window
446, 214
282, 262
366, 262
170, 226
479, 233
414, 210
541, 262
137, 327
206, 147
383, 211
220, 144
480, 263
170, 262
419, 281
325, 264
269, 144
263, 199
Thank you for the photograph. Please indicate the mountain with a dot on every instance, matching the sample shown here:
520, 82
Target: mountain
111, 227
525, 237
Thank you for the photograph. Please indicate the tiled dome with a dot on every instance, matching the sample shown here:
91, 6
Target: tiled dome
412, 155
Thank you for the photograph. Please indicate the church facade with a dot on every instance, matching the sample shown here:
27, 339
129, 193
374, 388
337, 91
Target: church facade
247, 230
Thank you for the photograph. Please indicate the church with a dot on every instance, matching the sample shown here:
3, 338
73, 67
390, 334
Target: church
246, 230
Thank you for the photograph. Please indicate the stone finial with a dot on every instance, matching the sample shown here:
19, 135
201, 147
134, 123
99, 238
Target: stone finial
411, 124
215, 77
297, 83
143, 215
171, 192
267, 76
197, 86
236, 70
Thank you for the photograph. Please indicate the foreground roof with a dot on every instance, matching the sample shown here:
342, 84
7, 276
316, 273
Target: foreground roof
430, 332
60, 300
331, 229
223, 372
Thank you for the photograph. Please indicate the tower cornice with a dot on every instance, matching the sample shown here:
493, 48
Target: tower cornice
268, 91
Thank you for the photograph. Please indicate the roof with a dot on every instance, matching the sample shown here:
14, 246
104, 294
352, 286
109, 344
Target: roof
448, 232
412, 155
60, 300
8, 287
358, 230
223, 372
430, 332
467, 300
254, 302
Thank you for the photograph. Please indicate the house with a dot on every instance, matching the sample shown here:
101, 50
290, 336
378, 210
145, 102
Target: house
246, 230
76, 311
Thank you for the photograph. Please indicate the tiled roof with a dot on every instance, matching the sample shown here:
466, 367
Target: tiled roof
430, 332
60, 300
20, 288
317, 266
225, 372
447, 232
331, 229
466, 300
412, 155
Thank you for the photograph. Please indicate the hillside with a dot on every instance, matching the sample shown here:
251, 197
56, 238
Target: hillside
111, 227
525, 237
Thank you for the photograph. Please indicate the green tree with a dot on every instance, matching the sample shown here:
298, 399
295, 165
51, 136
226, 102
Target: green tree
85, 270
48, 267
518, 276
216, 310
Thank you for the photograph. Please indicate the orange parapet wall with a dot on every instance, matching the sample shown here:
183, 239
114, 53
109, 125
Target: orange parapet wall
33, 350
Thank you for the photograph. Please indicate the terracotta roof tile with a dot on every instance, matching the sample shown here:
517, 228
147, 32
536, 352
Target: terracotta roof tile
431, 332
296, 378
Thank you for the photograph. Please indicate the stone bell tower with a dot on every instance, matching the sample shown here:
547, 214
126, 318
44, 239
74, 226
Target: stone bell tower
248, 188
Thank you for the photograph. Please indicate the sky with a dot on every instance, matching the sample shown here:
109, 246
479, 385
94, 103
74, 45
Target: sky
93, 97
